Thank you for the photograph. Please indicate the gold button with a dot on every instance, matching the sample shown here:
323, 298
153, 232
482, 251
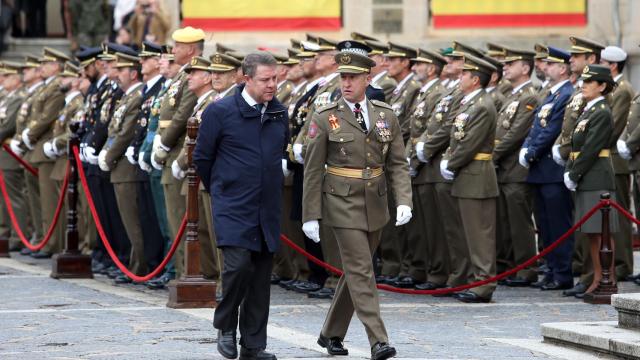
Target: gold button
369, 184
341, 139
368, 140
369, 154
368, 168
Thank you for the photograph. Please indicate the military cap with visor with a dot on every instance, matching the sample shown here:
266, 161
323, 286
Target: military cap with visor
557, 55
584, 46
11, 68
353, 58
541, 51
188, 35
400, 51
362, 37
462, 49
600, 73
474, 63
53, 55
31, 61
88, 55
70, 70
150, 49
224, 63
198, 63
126, 60
496, 50
430, 57
512, 55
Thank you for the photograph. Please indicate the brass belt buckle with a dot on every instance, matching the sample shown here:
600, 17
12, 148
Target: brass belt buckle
367, 174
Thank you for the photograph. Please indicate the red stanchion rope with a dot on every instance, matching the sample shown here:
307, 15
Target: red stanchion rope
500, 276
22, 162
14, 220
105, 241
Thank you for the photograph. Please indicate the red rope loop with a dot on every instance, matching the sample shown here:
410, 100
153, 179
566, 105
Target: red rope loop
503, 275
14, 219
105, 241
22, 161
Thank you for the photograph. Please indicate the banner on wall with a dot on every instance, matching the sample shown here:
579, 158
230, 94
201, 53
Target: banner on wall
452, 14
267, 15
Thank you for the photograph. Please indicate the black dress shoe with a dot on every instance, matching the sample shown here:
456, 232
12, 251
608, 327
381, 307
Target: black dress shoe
227, 344
41, 255
275, 279
543, 269
404, 282
286, 284
255, 354
97, 267
122, 279
391, 280
429, 286
449, 294
540, 283
471, 297
636, 281
381, 351
580, 288
554, 285
25, 252
517, 282
334, 345
306, 287
382, 279
580, 295
633, 277
159, 283
324, 293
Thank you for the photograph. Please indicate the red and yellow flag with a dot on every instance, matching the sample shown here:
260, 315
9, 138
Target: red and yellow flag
270, 15
507, 13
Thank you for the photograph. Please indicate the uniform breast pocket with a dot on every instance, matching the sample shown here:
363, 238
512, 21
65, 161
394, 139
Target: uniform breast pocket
337, 188
341, 144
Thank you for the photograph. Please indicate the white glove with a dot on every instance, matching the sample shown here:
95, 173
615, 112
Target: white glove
285, 171
522, 159
623, 150
412, 172
143, 165
420, 152
81, 152
130, 156
25, 139
90, 154
153, 161
48, 150
102, 160
57, 151
403, 215
15, 147
446, 173
297, 153
176, 171
156, 142
555, 151
312, 230
569, 183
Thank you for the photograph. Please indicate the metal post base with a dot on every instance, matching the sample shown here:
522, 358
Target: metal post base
192, 293
71, 266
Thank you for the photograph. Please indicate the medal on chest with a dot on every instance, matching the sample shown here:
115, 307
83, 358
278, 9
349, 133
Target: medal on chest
419, 112
543, 114
397, 108
334, 123
322, 99
459, 123
576, 102
382, 129
582, 125
117, 115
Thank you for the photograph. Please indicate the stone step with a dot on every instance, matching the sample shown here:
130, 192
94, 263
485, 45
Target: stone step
628, 307
604, 336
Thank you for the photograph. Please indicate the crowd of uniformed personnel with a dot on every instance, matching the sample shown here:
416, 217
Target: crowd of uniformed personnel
493, 152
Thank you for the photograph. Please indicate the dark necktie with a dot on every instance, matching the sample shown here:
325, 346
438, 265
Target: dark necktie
359, 117
258, 107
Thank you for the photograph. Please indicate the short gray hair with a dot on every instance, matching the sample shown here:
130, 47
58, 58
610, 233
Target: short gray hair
251, 62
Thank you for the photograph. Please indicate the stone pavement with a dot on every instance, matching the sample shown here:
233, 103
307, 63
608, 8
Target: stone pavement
44, 318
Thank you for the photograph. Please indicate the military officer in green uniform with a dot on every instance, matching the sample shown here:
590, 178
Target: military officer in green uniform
14, 176
44, 112
355, 145
540, 66
285, 86
468, 163
380, 78
496, 78
177, 105
515, 240
499, 52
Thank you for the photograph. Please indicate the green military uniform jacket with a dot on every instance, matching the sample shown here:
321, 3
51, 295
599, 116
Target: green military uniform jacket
121, 132
631, 134
197, 113
401, 100
620, 101
472, 136
437, 135
497, 97
385, 83
22, 120
571, 114
587, 166
514, 122
504, 87
418, 122
45, 110
175, 109
337, 140
284, 91
9, 108
72, 111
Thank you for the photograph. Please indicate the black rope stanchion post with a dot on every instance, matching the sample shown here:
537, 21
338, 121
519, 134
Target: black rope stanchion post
71, 263
192, 290
607, 286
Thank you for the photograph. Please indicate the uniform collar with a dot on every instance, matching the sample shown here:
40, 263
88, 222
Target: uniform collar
593, 102
101, 81
363, 108
226, 91
428, 85
490, 89
71, 96
554, 89
151, 83
517, 88
404, 81
33, 87
299, 86
133, 88
452, 83
313, 83
203, 97
379, 76
49, 79
471, 95
618, 77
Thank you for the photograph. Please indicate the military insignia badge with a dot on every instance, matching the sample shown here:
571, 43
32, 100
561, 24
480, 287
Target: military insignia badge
511, 109
543, 122
397, 108
382, 130
576, 102
172, 101
345, 59
544, 111
334, 124
582, 125
313, 130
419, 112
143, 122
506, 124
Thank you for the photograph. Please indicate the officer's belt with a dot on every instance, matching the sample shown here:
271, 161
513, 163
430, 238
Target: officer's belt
483, 157
364, 174
603, 154
164, 124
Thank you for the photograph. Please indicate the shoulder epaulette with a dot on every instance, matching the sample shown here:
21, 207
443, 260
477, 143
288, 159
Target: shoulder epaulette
327, 107
382, 104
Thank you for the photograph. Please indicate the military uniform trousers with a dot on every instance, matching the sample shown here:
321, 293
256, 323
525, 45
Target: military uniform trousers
393, 246
448, 213
426, 237
128, 200
153, 242
161, 214
516, 242
357, 287
33, 201
14, 182
49, 194
479, 223
176, 208
554, 213
623, 238
331, 253
210, 258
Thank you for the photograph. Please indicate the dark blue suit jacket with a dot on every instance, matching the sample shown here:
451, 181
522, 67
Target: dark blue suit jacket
543, 170
239, 159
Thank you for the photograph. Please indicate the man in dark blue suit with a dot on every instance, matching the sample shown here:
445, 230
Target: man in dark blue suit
238, 156
553, 202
